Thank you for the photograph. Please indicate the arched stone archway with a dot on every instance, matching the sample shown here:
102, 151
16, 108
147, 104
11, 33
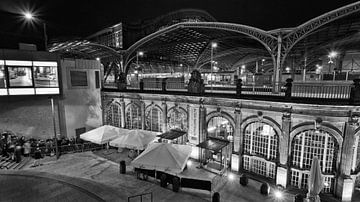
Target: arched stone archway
307, 141
133, 116
153, 116
113, 114
260, 146
177, 118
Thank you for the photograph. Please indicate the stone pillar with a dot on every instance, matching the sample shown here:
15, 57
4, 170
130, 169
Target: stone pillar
164, 116
345, 185
238, 137
202, 129
282, 170
142, 115
122, 113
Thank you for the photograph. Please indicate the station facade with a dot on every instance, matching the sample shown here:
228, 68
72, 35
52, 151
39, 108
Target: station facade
271, 140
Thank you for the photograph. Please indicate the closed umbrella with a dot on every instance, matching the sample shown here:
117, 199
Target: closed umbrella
315, 181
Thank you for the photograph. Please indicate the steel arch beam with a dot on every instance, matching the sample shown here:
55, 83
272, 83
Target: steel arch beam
266, 39
302, 31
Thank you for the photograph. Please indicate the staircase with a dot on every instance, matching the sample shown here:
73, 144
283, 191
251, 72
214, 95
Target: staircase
7, 163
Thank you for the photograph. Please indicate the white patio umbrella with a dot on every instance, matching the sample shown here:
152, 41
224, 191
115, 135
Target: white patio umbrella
101, 135
315, 181
134, 139
166, 157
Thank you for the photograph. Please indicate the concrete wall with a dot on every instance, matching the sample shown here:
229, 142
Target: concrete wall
28, 116
81, 105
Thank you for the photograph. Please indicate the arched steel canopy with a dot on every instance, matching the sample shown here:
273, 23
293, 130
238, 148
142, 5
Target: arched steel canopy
85, 49
190, 42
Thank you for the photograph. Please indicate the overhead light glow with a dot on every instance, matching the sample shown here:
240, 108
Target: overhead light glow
278, 194
213, 45
332, 54
98, 59
28, 15
140, 53
231, 176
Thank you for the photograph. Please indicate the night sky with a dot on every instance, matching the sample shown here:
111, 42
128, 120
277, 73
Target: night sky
84, 17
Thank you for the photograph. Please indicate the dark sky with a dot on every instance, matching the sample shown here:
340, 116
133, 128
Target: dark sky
83, 17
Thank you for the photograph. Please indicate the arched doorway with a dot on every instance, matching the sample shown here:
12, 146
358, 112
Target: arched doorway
177, 119
260, 149
133, 117
153, 119
113, 115
306, 145
220, 127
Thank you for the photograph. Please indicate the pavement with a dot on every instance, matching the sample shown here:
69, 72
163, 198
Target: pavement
94, 176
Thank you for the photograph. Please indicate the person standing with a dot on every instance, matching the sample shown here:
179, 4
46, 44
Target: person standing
37, 157
27, 148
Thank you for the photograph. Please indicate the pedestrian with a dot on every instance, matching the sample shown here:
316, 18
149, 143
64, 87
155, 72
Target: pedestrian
27, 148
18, 152
37, 157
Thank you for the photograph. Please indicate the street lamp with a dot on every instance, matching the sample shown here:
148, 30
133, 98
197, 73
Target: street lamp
139, 53
213, 46
332, 55
28, 16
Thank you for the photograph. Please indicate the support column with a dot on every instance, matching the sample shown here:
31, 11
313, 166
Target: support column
238, 141
277, 67
202, 129
282, 170
345, 184
142, 115
164, 116
257, 67
122, 113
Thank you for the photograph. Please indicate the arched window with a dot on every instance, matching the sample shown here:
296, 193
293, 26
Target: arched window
260, 149
113, 114
177, 119
153, 119
133, 117
220, 127
305, 146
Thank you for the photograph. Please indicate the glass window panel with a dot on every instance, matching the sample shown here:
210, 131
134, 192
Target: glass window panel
46, 76
20, 76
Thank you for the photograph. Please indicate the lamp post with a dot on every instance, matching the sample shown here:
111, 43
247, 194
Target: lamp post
213, 46
139, 53
30, 17
54, 123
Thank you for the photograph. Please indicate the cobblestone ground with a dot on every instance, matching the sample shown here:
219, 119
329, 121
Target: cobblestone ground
92, 167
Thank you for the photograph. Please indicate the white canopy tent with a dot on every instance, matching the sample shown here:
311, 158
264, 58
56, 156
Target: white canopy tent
134, 139
101, 135
166, 157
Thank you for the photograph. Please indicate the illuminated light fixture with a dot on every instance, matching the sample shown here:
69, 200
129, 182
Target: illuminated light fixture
140, 53
332, 54
263, 60
28, 15
243, 66
287, 69
214, 45
98, 59
188, 163
18, 63
231, 176
136, 72
46, 64
278, 194
181, 65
